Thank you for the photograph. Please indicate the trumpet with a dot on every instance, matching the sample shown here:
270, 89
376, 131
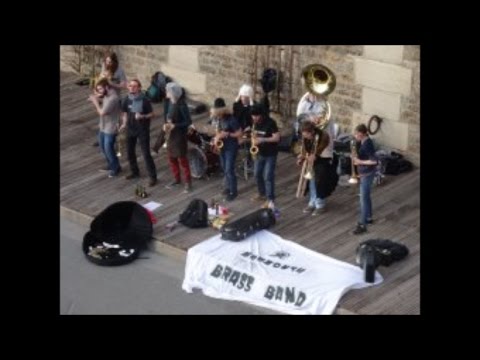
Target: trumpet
253, 148
121, 143
354, 177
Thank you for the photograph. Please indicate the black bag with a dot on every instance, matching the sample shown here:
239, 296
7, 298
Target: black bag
195, 215
269, 80
386, 251
118, 234
395, 164
248, 225
157, 90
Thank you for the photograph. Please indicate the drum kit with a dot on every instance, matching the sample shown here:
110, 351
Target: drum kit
202, 159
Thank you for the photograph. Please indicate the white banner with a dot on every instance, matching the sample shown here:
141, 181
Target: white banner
268, 271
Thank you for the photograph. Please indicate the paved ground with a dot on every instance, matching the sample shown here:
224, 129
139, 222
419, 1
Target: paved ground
150, 285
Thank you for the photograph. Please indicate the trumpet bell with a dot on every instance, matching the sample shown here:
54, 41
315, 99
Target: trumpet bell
254, 150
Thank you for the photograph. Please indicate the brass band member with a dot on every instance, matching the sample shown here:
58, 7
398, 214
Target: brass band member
109, 112
227, 136
314, 107
325, 177
113, 73
366, 161
178, 120
243, 105
137, 113
266, 138
161, 136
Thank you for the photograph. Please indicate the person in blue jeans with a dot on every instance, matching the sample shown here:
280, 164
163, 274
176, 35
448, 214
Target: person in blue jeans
228, 132
366, 162
109, 113
265, 136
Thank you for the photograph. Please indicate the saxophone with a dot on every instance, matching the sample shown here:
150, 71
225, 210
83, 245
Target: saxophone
254, 148
218, 143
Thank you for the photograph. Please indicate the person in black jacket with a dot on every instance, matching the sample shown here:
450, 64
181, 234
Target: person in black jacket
176, 128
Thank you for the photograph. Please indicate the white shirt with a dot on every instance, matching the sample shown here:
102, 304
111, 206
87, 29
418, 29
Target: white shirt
268, 271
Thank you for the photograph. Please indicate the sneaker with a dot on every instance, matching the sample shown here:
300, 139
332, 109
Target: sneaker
104, 170
360, 229
370, 221
225, 192
259, 197
230, 197
152, 182
318, 211
188, 187
308, 209
268, 205
173, 184
132, 176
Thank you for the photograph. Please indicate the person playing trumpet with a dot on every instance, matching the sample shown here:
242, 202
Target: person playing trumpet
226, 142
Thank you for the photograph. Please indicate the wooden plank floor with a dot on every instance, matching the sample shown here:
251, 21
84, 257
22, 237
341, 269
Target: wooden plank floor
396, 205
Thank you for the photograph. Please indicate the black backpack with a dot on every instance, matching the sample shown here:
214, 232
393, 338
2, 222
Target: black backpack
157, 90
386, 251
269, 80
195, 215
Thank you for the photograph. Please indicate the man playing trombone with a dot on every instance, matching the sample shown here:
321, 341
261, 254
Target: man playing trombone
315, 110
317, 170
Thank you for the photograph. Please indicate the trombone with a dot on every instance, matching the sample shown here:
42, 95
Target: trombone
307, 173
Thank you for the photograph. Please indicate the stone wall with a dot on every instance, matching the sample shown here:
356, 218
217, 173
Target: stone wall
371, 80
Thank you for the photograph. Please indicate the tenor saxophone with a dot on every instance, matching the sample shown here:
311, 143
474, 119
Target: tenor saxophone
253, 148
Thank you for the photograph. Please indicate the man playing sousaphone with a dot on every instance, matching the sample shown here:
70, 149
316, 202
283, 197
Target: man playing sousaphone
225, 143
322, 177
313, 106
